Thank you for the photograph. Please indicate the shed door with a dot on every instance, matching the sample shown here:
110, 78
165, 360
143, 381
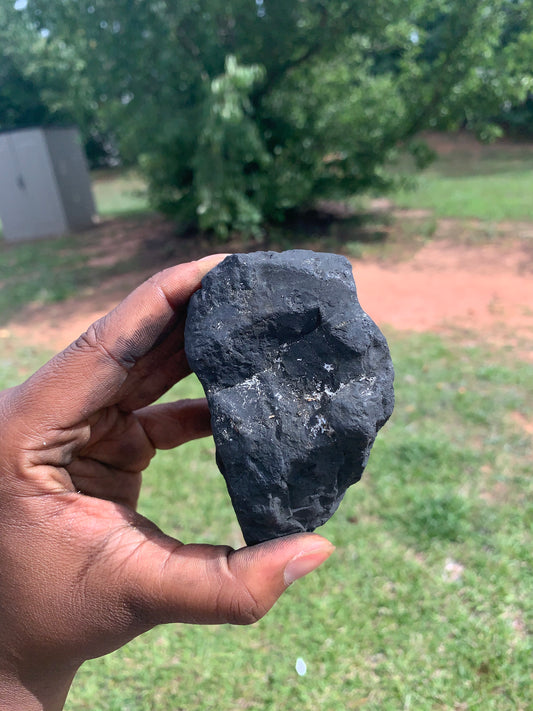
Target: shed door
39, 184
17, 222
34, 209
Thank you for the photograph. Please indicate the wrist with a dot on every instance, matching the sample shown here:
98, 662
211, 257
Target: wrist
33, 691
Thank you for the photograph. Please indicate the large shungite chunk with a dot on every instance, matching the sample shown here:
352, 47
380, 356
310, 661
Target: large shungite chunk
298, 379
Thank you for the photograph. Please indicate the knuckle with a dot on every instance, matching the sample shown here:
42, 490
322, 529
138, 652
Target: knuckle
237, 603
94, 341
245, 610
90, 339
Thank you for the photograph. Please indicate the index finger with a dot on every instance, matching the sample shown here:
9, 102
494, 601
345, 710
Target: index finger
104, 365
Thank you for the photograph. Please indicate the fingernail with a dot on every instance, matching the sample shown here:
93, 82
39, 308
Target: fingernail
306, 561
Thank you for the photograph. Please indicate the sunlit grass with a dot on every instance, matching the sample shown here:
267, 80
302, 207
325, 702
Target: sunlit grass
505, 196
427, 601
491, 183
119, 193
40, 271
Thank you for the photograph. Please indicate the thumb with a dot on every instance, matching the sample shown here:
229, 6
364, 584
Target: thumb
206, 584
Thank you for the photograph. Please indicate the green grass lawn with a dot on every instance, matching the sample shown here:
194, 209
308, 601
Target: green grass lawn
426, 603
473, 196
51, 270
41, 271
119, 193
493, 184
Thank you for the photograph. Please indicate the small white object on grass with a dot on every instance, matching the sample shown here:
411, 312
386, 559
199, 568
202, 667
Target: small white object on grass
301, 667
453, 571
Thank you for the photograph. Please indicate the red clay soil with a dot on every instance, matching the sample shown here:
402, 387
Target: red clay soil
483, 291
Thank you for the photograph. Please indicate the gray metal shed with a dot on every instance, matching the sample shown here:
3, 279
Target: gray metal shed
45, 188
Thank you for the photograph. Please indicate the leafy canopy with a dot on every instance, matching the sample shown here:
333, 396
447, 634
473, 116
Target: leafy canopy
242, 112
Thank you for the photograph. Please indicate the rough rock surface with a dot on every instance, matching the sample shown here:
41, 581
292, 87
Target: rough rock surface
298, 379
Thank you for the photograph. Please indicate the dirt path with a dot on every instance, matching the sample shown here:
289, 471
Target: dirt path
485, 291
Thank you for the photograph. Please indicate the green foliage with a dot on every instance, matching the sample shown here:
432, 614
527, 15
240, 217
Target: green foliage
517, 117
227, 143
43, 81
244, 112
21, 103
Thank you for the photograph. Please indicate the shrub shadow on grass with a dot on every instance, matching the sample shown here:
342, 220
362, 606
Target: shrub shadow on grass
330, 227
46, 271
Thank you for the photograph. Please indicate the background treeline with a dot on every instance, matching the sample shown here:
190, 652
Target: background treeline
241, 113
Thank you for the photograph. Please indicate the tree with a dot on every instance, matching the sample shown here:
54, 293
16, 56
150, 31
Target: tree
43, 83
21, 103
242, 112
516, 116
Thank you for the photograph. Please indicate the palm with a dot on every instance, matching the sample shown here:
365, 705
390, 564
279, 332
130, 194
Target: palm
84, 430
100, 440
109, 466
121, 445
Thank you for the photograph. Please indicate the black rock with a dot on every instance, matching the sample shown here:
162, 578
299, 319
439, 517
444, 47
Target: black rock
298, 378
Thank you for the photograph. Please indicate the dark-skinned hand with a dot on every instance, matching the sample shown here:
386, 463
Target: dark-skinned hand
81, 573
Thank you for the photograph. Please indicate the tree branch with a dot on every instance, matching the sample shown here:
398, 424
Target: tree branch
274, 77
442, 85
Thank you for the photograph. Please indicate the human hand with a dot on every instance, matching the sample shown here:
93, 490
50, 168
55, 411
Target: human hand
81, 573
